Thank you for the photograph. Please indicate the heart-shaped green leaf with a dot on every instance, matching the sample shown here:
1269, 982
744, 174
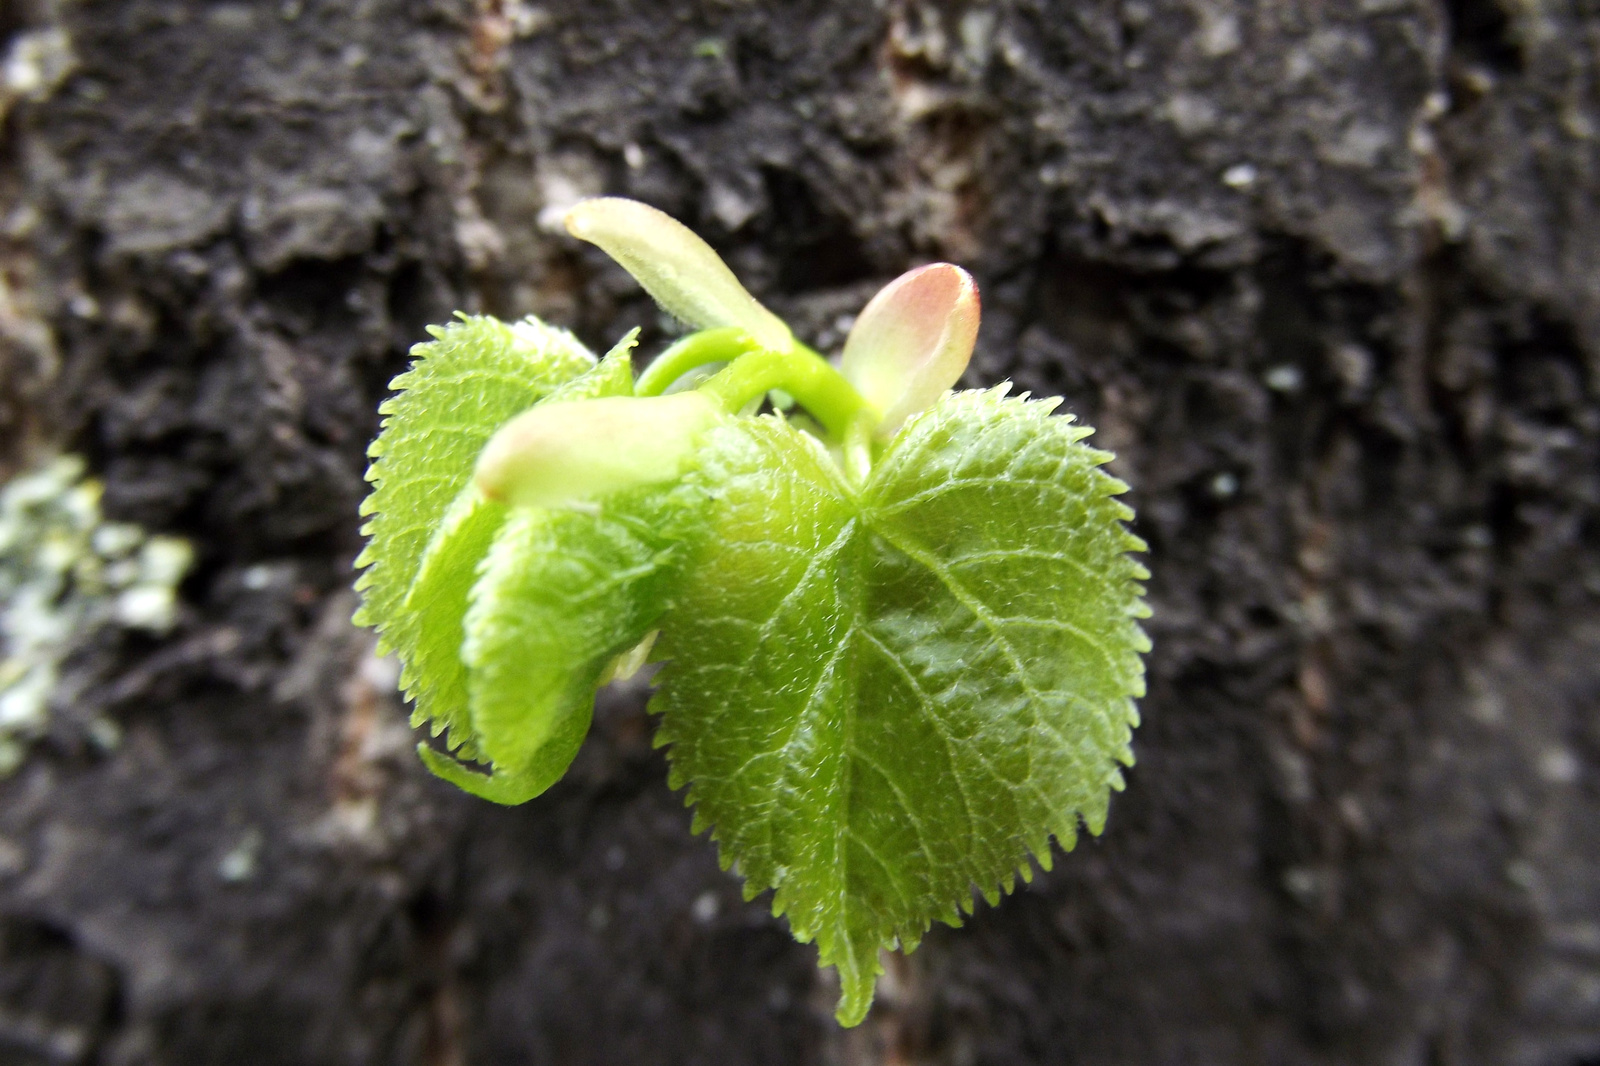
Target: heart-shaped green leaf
884, 699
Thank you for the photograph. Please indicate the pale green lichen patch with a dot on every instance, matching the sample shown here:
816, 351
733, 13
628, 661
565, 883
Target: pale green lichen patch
65, 573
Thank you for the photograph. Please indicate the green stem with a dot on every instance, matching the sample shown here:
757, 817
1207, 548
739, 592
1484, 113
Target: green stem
803, 374
695, 350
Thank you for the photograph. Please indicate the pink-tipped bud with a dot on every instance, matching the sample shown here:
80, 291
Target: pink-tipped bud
912, 341
676, 267
565, 453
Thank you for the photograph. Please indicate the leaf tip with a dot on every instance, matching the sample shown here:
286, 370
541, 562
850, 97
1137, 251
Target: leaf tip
856, 986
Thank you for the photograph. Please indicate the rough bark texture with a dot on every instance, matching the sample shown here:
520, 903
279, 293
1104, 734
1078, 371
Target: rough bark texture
1325, 275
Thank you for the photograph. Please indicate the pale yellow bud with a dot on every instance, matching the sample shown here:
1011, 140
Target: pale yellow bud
676, 267
912, 341
568, 453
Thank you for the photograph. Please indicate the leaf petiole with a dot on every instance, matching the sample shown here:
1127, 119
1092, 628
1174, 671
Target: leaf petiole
803, 374
697, 349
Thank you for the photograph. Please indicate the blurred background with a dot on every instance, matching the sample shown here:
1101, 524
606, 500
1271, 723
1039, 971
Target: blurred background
1325, 275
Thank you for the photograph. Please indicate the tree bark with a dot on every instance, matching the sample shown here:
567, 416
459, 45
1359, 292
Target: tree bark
1325, 276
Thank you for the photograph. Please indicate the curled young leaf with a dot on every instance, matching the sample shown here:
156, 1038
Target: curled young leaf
427, 626
461, 386
678, 269
552, 601
912, 341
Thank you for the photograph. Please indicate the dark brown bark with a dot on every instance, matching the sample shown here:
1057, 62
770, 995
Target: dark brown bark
1326, 277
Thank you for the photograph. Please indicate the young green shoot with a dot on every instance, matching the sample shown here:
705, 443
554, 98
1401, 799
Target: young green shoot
897, 628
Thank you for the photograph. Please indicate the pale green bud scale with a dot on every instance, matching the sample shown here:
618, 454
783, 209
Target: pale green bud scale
912, 342
680, 271
564, 454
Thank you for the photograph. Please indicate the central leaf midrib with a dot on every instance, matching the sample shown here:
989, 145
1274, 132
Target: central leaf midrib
847, 579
